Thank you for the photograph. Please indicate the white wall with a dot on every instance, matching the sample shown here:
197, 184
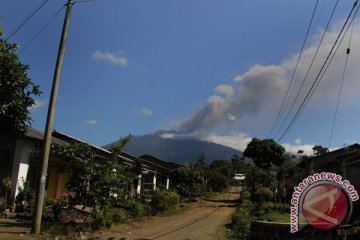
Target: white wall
20, 163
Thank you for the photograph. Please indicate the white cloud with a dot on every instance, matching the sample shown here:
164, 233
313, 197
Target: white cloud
238, 78
38, 104
231, 117
293, 148
113, 58
90, 122
146, 111
236, 140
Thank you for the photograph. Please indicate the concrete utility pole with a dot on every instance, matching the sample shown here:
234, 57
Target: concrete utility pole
40, 191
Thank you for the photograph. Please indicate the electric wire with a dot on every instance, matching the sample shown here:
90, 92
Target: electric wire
27, 19
340, 91
308, 71
85, 1
331, 59
295, 69
42, 29
311, 90
337, 48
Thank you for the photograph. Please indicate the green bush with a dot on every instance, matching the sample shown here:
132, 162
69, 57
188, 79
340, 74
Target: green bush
240, 222
99, 219
135, 209
267, 207
147, 210
25, 199
164, 200
118, 215
245, 195
247, 204
263, 195
218, 182
199, 190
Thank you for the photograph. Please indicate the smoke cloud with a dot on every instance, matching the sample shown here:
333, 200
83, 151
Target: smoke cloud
256, 95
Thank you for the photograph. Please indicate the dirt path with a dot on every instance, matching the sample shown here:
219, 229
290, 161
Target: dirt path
203, 221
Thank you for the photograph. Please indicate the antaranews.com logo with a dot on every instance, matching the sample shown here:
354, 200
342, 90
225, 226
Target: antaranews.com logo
323, 200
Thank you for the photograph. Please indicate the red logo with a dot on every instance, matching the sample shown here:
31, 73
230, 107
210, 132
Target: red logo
325, 206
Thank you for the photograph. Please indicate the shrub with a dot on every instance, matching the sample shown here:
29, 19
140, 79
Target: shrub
164, 200
218, 182
247, 204
245, 195
147, 210
53, 209
25, 199
134, 209
99, 219
118, 215
263, 195
267, 207
240, 222
199, 190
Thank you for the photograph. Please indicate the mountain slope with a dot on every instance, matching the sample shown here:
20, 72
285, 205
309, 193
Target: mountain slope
177, 150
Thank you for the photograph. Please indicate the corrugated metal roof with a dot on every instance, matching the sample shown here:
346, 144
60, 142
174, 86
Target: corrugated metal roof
39, 136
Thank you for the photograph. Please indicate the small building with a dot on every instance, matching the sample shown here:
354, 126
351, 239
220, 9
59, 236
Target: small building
21, 162
344, 161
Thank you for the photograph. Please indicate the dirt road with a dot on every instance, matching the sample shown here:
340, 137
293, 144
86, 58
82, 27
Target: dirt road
204, 220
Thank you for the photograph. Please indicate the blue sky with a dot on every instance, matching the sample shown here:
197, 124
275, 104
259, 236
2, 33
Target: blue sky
212, 69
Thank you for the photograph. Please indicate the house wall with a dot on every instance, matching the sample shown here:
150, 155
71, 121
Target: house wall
354, 177
56, 179
20, 164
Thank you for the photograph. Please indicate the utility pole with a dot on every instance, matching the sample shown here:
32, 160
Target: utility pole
40, 191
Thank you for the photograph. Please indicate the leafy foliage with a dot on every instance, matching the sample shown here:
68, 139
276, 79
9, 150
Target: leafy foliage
164, 200
97, 184
263, 195
258, 177
25, 199
265, 152
16, 90
319, 150
240, 222
218, 182
186, 178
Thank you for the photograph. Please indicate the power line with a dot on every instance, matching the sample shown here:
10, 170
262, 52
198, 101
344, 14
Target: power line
340, 91
26, 19
312, 89
331, 59
84, 1
308, 71
295, 69
41, 30
337, 48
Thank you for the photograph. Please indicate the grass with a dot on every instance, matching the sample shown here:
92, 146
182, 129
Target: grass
275, 217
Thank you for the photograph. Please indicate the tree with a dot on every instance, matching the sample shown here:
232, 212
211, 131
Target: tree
257, 178
16, 90
238, 164
186, 178
223, 167
265, 152
319, 150
218, 182
95, 184
203, 166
